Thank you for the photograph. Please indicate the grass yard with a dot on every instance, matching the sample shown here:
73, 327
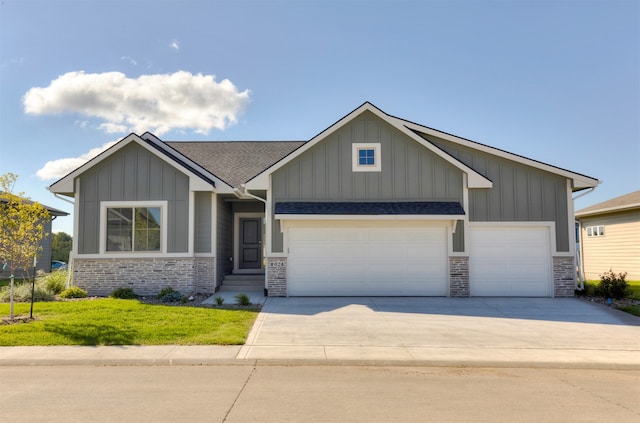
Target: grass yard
124, 322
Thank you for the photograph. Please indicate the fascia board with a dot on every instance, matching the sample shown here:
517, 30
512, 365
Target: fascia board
446, 217
65, 185
608, 210
261, 181
474, 179
198, 184
579, 181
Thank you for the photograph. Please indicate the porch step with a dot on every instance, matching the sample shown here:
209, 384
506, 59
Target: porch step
243, 283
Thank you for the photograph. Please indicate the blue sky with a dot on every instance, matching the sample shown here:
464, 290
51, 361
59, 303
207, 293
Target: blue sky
558, 82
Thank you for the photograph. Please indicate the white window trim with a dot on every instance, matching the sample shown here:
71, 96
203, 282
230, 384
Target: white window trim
104, 205
595, 231
376, 147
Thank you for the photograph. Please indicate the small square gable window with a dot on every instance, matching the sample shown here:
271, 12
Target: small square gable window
366, 157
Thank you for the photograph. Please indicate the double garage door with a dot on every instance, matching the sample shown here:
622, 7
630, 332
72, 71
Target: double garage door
396, 258
367, 259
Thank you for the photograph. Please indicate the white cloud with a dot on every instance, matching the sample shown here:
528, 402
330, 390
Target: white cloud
56, 169
174, 44
155, 103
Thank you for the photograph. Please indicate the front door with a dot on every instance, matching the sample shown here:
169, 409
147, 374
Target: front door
250, 243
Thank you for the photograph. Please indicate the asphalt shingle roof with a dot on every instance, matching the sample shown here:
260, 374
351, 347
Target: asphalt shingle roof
619, 203
371, 208
235, 162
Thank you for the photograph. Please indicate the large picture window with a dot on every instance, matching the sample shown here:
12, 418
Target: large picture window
135, 229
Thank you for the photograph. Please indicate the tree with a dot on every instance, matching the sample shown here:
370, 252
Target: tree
22, 224
61, 246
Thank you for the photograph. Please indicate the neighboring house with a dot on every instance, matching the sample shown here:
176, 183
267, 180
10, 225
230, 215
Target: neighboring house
44, 261
373, 205
610, 237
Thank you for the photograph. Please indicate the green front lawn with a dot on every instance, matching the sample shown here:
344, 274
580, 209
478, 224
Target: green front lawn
124, 322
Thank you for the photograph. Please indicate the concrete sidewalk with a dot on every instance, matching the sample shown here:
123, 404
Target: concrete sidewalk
480, 332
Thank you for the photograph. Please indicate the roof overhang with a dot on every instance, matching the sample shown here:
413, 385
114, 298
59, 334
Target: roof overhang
199, 178
475, 179
579, 181
410, 210
606, 210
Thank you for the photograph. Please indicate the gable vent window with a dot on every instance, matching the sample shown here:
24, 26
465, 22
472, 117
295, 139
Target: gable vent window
366, 157
595, 231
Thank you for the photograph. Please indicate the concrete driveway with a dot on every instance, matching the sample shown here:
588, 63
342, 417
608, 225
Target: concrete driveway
446, 331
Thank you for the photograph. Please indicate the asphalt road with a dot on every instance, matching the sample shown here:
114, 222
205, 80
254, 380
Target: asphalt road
266, 393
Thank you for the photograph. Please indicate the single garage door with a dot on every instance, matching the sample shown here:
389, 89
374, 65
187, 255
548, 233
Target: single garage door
510, 261
375, 259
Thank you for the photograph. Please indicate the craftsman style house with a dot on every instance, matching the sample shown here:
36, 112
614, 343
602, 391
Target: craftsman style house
374, 206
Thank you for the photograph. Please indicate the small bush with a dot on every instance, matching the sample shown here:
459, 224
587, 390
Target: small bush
613, 285
56, 282
73, 292
169, 295
22, 293
242, 299
123, 293
219, 300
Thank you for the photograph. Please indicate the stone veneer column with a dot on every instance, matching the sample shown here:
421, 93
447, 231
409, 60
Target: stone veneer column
205, 282
277, 276
459, 276
564, 276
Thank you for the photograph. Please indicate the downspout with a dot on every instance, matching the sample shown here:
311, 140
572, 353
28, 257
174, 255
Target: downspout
579, 250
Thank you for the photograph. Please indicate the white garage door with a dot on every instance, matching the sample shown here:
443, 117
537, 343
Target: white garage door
376, 259
510, 261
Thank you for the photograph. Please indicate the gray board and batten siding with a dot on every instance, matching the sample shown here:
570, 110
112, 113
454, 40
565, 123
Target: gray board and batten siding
520, 193
409, 172
133, 174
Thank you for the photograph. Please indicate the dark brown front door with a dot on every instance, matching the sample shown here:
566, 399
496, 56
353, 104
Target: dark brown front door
250, 243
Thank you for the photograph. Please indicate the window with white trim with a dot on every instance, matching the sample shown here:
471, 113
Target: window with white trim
133, 229
594, 231
366, 157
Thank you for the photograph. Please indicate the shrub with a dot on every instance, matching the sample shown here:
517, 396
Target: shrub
242, 299
219, 300
55, 282
22, 293
123, 293
169, 295
613, 285
73, 292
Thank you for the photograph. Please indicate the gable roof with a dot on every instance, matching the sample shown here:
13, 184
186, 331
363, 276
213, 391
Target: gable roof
475, 179
416, 132
235, 162
199, 177
623, 202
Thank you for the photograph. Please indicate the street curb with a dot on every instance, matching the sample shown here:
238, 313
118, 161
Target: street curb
317, 363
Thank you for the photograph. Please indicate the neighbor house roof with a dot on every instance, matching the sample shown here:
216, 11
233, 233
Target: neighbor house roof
624, 202
373, 208
235, 162
52, 211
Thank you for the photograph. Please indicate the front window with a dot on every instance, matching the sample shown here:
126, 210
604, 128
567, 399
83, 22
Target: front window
135, 229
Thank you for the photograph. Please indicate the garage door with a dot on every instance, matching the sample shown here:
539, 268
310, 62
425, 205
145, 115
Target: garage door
510, 261
377, 259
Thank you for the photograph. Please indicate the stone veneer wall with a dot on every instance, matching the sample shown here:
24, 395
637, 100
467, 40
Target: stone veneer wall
277, 276
146, 276
459, 276
564, 276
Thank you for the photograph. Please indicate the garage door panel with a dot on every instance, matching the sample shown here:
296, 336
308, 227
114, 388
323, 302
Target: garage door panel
510, 261
373, 260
